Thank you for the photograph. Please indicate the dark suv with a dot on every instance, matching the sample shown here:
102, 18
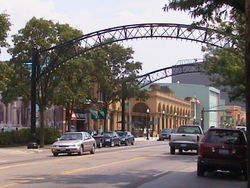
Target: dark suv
223, 149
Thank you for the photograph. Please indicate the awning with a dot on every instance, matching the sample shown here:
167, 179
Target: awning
94, 114
80, 116
101, 114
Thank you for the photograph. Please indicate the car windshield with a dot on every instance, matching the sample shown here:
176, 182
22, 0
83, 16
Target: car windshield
166, 130
72, 136
122, 134
108, 134
189, 130
226, 137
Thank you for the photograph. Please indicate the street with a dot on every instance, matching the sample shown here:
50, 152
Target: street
146, 164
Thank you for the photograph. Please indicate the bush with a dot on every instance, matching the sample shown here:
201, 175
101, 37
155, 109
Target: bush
22, 136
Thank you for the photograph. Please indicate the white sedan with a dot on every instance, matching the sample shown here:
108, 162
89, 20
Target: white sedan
74, 142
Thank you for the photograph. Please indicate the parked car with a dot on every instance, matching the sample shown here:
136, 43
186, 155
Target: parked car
126, 137
74, 142
111, 139
98, 138
186, 138
165, 134
223, 149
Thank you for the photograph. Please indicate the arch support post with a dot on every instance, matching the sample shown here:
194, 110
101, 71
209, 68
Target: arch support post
35, 63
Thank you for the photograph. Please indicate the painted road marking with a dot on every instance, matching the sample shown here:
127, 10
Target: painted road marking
61, 159
68, 172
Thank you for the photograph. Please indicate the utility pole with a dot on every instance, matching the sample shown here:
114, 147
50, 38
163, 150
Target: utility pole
202, 118
123, 105
247, 83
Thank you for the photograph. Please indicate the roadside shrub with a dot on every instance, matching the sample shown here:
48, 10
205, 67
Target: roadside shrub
50, 135
22, 136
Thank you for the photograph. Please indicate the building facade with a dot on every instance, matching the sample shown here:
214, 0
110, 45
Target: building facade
207, 100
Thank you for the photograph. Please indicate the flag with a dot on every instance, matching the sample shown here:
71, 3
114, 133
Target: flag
198, 101
73, 116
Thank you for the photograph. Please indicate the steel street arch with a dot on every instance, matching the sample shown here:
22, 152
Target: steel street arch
99, 38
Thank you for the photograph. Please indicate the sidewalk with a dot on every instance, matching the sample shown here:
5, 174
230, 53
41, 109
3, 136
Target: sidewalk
19, 150
145, 139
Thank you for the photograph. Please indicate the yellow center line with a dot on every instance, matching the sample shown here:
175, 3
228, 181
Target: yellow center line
53, 160
68, 172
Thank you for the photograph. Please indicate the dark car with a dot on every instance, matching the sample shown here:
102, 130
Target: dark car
111, 139
98, 138
126, 137
223, 149
165, 133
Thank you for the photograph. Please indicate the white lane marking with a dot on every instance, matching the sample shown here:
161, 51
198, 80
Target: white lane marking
161, 173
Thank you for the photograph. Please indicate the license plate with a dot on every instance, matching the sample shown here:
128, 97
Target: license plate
183, 145
223, 151
107, 140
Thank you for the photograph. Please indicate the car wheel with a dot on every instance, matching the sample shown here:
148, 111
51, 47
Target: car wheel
100, 145
245, 174
119, 143
172, 150
126, 143
55, 154
92, 151
200, 169
133, 143
80, 151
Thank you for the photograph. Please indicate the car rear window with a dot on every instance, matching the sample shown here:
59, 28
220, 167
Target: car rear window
189, 130
225, 137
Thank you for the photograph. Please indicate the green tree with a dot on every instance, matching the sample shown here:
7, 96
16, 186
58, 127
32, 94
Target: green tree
224, 67
5, 69
114, 66
4, 28
74, 87
40, 34
5, 73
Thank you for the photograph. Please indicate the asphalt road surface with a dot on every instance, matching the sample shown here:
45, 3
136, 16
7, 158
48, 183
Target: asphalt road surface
147, 164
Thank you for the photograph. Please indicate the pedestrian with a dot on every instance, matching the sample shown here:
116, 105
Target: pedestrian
148, 134
144, 132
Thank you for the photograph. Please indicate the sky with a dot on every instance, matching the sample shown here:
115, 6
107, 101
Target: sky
90, 16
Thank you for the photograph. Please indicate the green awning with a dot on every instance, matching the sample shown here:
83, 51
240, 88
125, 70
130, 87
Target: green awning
101, 114
94, 114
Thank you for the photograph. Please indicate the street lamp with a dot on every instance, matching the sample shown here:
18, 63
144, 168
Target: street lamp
185, 118
175, 119
147, 124
163, 119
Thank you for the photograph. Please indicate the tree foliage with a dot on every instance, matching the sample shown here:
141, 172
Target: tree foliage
4, 28
5, 69
224, 67
40, 34
5, 73
113, 67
